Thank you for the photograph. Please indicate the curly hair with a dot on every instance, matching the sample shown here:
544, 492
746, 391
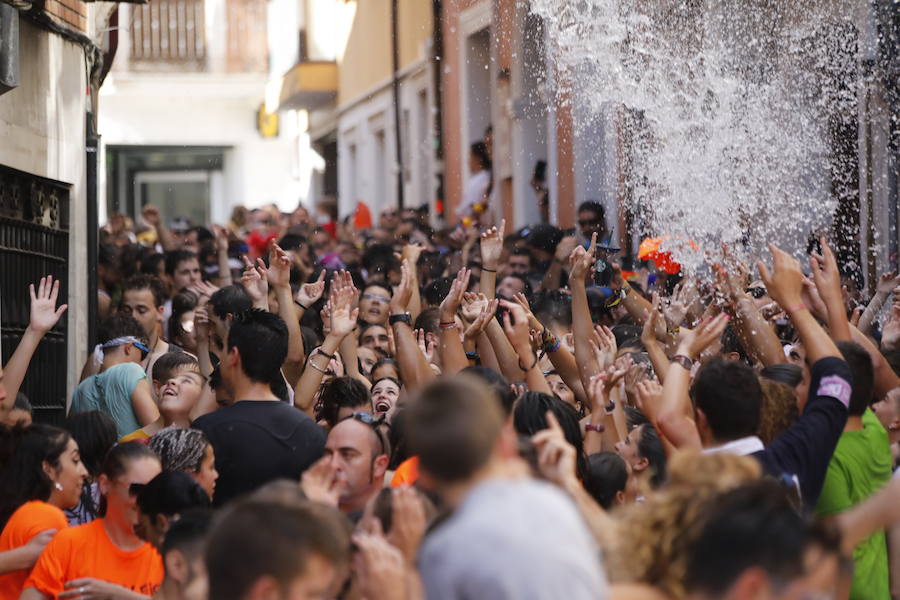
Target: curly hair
653, 536
778, 410
179, 449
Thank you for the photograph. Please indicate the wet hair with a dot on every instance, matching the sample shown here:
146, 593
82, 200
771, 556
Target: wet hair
170, 493
230, 300
365, 326
498, 384
23, 478
480, 151
119, 325
437, 290
778, 410
731, 343
176, 257
625, 333
183, 302
530, 416
605, 475
863, 375
634, 417
95, 433
453, 426
650, 447
428, 320
179, 449
378, 260
385, 361
592, 206
147, 282
553, 306
786, 373
753, 526
526, 285
170, 363
729, 394
262, 342
150, 264
188, 533
343, 392
276, 539
544, 237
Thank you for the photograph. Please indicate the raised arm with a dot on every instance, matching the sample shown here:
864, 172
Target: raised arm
166, 239
754, 332
785, 286
676, 414
453, 355
580, 263
827, 277
654, 349
563, 360
887, 283
413, 366
222, 256
553, 277
44, 316
256, 284
278, 275
343, 322
491, 249
411, 253
515, 325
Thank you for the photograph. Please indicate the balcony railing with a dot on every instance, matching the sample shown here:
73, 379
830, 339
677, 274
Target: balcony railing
169, 31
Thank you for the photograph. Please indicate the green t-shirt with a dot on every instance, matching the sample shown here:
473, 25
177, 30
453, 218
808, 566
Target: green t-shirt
860, 466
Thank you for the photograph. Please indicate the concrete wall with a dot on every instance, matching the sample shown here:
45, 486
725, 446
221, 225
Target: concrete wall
42, 128
366, 60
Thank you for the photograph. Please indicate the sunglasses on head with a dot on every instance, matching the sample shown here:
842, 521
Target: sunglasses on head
373, 422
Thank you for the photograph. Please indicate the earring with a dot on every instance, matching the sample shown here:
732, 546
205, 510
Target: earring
58, 486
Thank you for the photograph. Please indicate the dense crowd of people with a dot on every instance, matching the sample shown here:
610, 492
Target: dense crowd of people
291, 406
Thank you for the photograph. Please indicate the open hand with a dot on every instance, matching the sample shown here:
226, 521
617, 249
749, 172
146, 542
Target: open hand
310, 293
44, 314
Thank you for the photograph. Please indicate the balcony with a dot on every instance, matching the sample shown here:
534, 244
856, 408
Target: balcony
309, 85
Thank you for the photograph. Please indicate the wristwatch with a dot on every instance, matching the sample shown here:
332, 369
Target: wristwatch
600, 428
685, 361
400, 318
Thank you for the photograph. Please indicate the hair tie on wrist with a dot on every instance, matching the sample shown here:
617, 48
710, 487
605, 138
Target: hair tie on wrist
488, 270
794, 309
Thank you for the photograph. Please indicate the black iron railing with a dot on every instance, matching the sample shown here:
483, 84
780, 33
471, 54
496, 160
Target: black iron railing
34, 241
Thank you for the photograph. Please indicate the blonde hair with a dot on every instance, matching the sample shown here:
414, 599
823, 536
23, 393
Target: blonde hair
778, 410
653, 535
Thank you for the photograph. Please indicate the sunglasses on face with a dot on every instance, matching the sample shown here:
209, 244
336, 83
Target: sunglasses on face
135, 489
757, 292
376, 297
587, 223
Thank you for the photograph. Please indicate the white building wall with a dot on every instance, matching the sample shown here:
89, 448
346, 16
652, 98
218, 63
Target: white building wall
367, 166
212, 108
42, 132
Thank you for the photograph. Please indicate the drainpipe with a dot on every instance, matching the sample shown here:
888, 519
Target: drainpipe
395, 85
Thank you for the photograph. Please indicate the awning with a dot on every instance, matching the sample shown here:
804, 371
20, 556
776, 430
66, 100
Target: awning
309, 85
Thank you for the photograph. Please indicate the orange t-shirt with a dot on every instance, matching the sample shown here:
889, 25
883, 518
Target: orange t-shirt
86, 551
29, 520
407, 472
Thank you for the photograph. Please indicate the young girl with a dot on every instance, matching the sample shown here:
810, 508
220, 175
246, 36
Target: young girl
44, 477
104, 558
